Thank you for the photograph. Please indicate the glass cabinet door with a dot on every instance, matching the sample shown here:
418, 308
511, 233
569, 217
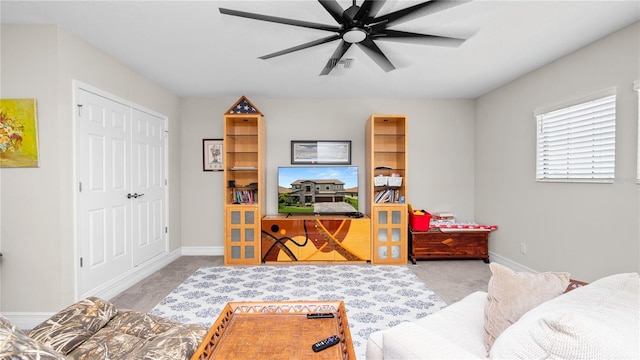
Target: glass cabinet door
390, 235
241, 244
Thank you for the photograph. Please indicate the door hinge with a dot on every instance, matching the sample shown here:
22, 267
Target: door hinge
79, 109
80, 186
166, 229
80, 262
166, 182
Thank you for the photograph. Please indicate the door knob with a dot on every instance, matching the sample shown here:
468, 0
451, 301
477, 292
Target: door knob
134, 195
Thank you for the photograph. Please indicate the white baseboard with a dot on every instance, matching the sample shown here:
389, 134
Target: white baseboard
131, 277
203, 250
26, 321
108, 290
510, 263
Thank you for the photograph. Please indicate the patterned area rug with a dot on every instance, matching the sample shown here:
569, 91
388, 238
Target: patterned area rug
375, 297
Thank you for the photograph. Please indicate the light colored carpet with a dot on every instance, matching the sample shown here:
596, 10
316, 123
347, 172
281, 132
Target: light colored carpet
147, 293
375, 297
451, 280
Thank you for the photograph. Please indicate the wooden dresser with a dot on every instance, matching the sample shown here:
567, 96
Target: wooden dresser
449, 244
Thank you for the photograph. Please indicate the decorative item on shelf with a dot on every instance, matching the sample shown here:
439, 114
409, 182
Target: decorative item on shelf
394, 181
380, 180
212, 159
243, 106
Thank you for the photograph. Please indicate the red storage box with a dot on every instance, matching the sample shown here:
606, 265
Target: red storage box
419, 222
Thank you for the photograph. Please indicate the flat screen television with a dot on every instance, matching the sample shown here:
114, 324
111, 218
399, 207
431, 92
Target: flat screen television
317, 189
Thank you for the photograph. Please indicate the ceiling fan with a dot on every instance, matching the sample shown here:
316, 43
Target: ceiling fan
361, 25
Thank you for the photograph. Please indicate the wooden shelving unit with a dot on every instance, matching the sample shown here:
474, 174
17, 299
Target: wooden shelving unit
244, 159
386, 173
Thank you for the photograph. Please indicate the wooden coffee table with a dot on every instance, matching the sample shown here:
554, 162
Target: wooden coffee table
276, 330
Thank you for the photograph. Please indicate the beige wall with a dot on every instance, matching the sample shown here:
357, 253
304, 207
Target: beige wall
440, 151
473, 157
590, 230
37, 217
28, 196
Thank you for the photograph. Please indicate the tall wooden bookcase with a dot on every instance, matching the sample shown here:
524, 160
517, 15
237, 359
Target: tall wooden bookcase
386, 174
244, 161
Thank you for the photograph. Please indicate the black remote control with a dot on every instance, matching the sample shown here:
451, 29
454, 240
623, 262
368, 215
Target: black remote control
319, 316
321, 345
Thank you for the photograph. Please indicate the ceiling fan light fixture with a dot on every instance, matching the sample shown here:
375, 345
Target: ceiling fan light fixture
363, 26
354, 35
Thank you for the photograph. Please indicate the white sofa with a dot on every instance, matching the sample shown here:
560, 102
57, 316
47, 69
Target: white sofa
596, 321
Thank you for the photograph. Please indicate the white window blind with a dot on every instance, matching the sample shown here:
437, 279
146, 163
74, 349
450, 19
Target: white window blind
578, 143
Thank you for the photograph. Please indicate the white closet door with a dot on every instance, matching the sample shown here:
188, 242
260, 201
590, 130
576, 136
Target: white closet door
104, 170
148, 187
121, 214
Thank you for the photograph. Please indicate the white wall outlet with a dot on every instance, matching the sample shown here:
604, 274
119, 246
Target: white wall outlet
523, 248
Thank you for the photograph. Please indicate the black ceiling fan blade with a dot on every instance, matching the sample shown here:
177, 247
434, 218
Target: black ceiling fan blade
369, 9
302, 46
279, 20
415, 38
418, 10
337, 55
333, 8
373, 51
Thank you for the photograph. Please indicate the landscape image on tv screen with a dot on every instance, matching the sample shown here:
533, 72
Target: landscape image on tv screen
318, 189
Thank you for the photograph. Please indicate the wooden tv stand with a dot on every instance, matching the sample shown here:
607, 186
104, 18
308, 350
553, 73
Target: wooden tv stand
450, 244
315, 238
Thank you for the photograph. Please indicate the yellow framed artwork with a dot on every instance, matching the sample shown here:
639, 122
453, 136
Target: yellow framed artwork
18, 133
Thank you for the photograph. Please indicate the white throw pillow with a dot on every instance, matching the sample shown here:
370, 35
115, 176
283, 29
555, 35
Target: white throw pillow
597, 321
511, 294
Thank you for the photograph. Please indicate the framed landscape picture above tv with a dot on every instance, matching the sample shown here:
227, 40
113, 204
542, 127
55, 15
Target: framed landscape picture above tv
321, 152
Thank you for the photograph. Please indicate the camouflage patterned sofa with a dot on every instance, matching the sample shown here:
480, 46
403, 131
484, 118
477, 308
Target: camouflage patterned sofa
95, 329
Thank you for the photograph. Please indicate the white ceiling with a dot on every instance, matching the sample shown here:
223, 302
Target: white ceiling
192, 50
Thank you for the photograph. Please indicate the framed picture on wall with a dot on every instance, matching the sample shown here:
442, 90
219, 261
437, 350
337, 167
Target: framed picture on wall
321, 152
18, 133
212, 155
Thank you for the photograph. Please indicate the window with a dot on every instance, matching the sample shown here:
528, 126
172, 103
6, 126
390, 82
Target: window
577, 143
